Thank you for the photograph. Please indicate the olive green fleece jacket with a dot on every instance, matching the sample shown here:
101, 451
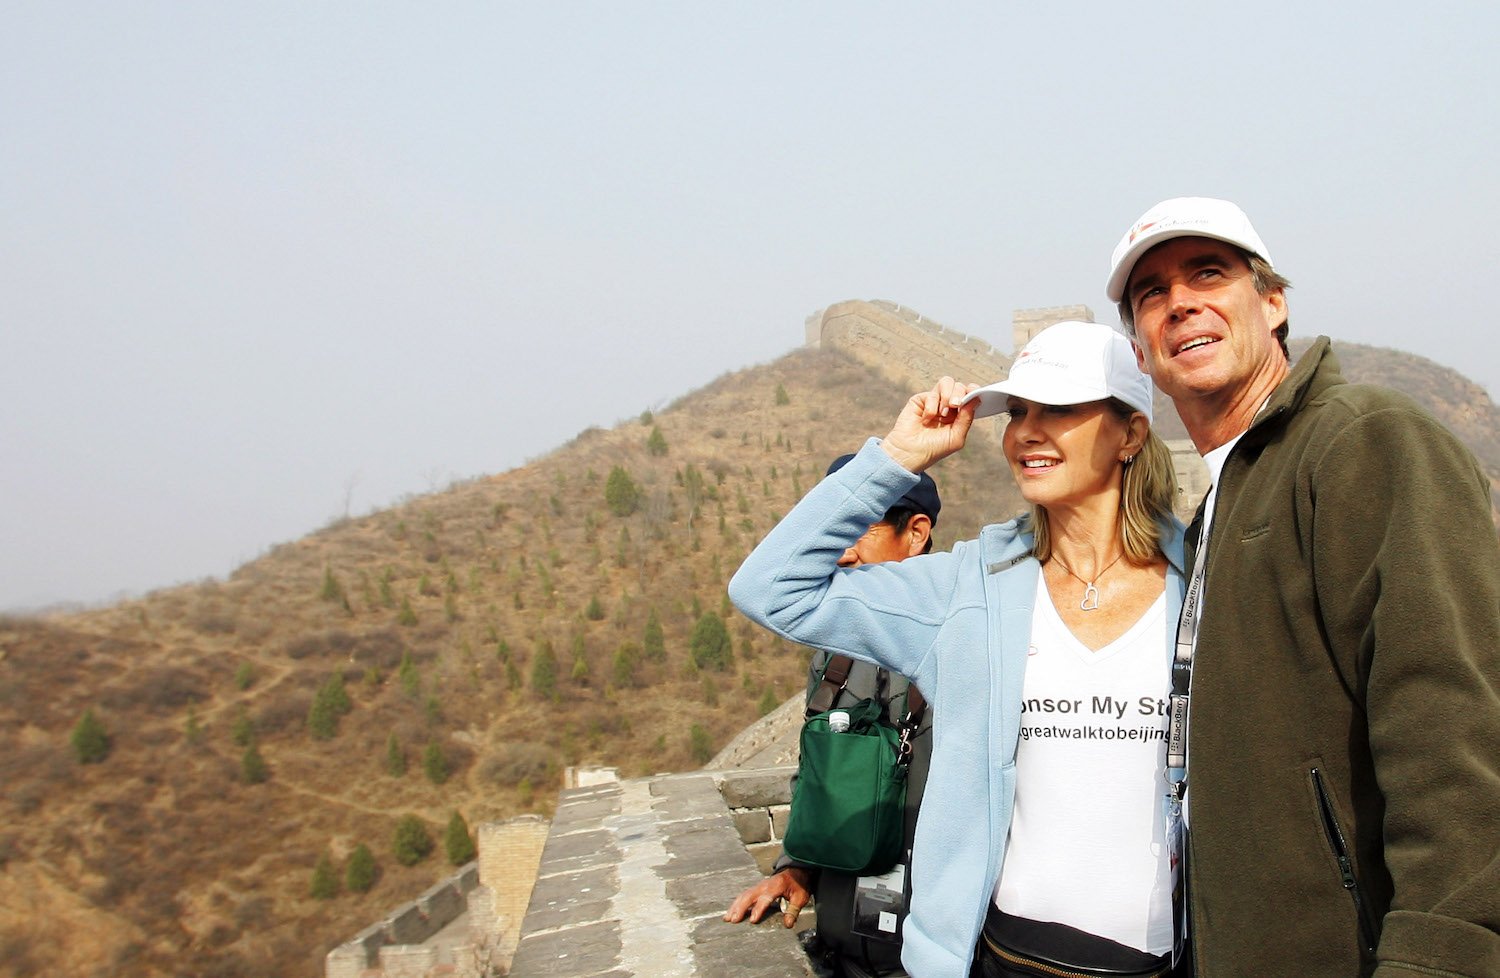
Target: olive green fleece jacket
1346, 696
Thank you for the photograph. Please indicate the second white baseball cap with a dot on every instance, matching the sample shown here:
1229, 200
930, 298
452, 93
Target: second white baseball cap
1070, 362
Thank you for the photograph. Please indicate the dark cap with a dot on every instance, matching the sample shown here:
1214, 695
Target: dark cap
920, 498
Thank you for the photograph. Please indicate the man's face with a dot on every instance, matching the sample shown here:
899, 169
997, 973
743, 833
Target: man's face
881, 542
1201, 329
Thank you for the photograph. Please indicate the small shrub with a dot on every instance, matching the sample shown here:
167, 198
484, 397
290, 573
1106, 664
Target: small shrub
406, 616
411, 678
700, 745
412, 842
544, 671
657, 443
621, 493
395, 757
457, 842
242, 730
325, 882
710, 643
782, 398
89, 739
434, 764
359, 872
244, 676
768, 701
332, 591
253, 768
653, 642
595, 610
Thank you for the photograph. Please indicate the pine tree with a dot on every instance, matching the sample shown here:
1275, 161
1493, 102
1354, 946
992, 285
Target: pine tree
359, 872
332, 591
621, 493
623, 670
89, 739
406, 616
768, 701
244, 676
544, 671
322, 718
395, 757
657, 443
411, 678
253, 768
457, 841
325, 882
434, 764
699, 744
781, 396
710, 644
412, 842
242, 730
595, 610
652, 642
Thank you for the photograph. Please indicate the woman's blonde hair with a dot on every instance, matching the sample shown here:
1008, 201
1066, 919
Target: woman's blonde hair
1146, 495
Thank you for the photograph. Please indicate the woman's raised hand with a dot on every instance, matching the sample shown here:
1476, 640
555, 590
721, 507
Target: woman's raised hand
930, 426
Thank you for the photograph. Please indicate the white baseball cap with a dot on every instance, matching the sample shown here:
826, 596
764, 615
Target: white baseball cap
1070, 363
1180, 217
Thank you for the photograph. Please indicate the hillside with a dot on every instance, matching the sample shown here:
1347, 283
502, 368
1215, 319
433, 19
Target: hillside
438, 616
161, 861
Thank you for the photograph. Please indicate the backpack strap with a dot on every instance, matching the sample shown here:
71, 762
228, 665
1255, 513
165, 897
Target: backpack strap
916, 706
835, 678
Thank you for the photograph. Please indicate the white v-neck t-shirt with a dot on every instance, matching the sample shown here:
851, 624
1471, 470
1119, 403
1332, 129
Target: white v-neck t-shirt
1085, 846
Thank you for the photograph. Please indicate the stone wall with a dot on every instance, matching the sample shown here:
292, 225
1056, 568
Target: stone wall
1026, 323
465, 926
397, 947
904, 346
634, 881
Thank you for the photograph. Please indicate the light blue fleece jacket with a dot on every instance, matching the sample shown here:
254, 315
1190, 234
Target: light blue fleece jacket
958, 625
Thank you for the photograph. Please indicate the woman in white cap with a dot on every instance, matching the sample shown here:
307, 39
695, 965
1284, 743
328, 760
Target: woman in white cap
1043, 647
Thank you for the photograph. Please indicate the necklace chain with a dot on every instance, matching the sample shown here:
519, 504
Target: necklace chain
1090, 593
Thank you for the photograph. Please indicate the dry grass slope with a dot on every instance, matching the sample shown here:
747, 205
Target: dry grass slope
161, 860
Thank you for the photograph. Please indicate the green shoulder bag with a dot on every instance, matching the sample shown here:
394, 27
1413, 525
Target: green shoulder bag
849, 805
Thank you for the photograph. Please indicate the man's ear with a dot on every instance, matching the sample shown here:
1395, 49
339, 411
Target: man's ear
918, 532
1275, 308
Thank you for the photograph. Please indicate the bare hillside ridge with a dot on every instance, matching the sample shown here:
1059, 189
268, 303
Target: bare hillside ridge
161, 860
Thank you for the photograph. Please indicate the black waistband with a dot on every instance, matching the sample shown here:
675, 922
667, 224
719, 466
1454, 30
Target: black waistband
1058, 949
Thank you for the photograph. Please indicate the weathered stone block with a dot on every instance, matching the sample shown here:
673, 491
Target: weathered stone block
703, 847
780, 815
765, 856
753, 825
570, 953
571, 899
748, 951
757, 790
407, 925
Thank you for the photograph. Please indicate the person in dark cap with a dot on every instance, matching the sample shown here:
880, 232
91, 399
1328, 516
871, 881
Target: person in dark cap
904, 531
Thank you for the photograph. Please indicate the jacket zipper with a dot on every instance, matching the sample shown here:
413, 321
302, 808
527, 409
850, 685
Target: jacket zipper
1346, 864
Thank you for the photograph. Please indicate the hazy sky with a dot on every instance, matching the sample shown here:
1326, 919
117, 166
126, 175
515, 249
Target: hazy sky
260, 259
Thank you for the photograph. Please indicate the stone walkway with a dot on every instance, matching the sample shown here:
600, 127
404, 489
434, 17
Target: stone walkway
633, 883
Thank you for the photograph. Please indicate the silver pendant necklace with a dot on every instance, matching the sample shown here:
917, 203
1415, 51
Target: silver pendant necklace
1090, 592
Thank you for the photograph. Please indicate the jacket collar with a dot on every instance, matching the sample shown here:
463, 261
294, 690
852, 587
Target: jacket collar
1314, 372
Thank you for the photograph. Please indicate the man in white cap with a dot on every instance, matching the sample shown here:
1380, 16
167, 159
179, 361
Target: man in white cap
1337, 678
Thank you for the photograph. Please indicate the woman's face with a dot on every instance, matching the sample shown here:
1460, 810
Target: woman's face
1064, 455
